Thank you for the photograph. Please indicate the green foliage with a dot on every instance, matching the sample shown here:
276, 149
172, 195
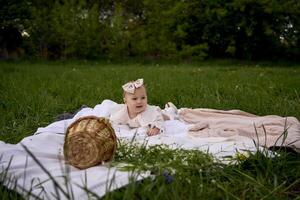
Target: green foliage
119, 37
8, 194
156, 40
197, 51
14, 13
181, 174
69, 29
256, 29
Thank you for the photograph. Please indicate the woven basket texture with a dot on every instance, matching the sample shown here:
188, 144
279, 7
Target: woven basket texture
89, 141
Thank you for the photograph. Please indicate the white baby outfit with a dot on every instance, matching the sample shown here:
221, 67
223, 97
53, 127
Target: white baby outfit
151, 117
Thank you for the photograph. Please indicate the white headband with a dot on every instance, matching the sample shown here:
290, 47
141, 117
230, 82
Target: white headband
131, 86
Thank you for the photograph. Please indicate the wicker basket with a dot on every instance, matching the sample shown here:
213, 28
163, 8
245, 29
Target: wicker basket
89, 141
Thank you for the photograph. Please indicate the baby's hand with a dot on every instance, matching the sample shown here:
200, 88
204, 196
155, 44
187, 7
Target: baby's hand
153, 131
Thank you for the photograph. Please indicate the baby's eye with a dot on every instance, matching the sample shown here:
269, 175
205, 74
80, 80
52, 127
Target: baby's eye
143, 97
134, 99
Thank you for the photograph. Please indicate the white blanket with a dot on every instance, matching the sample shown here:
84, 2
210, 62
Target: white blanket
47, 146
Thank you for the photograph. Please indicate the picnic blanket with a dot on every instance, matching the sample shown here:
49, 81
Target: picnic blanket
267, 131
24, 172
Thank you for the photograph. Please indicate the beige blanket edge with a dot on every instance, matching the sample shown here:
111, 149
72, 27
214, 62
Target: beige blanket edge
267, 131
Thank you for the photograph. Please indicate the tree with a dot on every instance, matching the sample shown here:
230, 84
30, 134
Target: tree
14, 19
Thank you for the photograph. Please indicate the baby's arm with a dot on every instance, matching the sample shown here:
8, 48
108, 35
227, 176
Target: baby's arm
156, 127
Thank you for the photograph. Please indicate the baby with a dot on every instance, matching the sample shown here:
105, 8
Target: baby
136, 112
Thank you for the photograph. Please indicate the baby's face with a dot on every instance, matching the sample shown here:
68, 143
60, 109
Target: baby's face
137, 102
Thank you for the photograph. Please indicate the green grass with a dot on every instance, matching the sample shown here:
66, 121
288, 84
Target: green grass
182, 174
32, 94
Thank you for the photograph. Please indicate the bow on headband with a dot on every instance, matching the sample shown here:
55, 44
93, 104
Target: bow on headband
131, 86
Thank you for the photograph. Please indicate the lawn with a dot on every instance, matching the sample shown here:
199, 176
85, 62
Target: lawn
32, 94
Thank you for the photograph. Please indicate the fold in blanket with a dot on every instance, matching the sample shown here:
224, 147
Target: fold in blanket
27, 174
266, 131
